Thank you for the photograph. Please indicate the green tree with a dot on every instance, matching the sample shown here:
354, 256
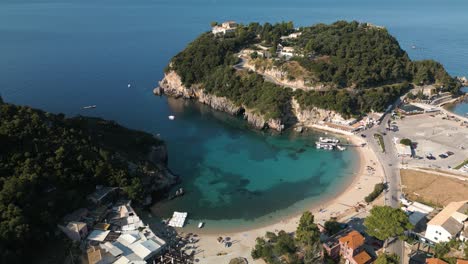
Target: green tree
332, 227
441, 249
307, 232
385, 222
308, 235
213, 23
387, 259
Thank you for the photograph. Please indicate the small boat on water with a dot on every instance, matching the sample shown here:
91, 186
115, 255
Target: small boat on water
200, 225
129, 85
326, 146
171, 117
341, 148
89, 107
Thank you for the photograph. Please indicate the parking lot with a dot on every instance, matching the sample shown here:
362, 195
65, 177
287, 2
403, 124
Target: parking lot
433, 134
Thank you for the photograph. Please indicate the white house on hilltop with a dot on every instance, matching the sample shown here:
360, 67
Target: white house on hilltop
225, 27
449, 223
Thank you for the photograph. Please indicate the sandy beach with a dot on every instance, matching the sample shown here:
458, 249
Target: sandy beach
342, 207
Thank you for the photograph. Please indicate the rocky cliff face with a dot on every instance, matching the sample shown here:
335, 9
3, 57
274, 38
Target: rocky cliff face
172, 86
309, 117
157, 178
280, 77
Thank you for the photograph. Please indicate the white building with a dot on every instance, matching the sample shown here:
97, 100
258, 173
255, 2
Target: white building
294, 35
225, 27
287, 52
449, 223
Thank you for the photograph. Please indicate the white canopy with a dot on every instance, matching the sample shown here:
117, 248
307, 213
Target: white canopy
178, 219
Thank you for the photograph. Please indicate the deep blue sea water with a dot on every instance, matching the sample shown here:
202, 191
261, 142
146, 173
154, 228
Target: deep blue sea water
62, 55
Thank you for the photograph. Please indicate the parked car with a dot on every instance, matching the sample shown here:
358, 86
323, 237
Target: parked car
443, 156
449, 153
364, 136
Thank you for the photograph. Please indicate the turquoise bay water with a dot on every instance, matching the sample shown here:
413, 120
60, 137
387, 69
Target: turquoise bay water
62, 55
233, 173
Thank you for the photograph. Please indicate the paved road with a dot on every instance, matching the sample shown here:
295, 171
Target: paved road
390, 165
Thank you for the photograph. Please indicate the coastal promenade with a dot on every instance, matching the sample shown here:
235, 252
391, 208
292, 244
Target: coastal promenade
390, 164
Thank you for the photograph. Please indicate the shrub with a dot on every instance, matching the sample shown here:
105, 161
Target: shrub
378, 189
406, 142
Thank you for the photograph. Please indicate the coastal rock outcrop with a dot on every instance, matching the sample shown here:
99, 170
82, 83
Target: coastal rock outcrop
172, 85
157, 91
310, 117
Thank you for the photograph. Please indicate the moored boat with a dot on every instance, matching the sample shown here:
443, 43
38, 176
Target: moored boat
328, 140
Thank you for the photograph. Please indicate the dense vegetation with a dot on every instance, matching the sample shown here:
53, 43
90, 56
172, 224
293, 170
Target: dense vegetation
451, 251
359, 55
365, 59
251, 91
304, 248
351, 103
378, 189
48, 165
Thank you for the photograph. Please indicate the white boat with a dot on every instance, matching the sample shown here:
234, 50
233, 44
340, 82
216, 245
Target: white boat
171, 117
341, 148
129, 86
89, 107
200, 225
328, 140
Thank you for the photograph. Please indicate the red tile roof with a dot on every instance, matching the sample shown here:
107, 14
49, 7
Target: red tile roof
362, 258
435, 261
353, 239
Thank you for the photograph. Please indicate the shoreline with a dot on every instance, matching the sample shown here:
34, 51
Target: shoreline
341, 207
453, 104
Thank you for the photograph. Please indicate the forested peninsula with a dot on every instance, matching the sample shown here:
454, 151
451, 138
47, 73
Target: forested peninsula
50, 163
276, 75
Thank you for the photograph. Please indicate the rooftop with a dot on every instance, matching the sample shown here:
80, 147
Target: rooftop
98, 235
455, 210
76, 226
94, 255
354, 239
435, 261
362, 257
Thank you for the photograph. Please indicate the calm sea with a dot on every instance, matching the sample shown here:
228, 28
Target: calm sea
62, 55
